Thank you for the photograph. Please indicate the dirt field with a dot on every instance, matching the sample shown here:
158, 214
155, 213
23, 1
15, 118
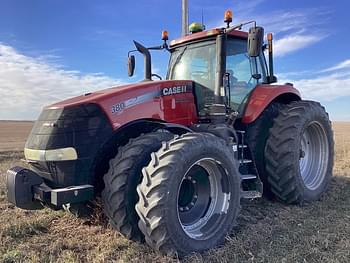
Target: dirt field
268, 231
13, 134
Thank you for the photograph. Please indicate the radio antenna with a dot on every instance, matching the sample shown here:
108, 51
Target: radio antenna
203, 19
184, 17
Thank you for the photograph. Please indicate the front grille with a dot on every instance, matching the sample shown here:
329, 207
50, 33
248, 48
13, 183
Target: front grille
84, 127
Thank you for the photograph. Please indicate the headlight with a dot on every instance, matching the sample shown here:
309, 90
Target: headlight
62, 154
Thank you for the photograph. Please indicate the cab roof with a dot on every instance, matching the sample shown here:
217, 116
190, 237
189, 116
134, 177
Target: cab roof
207, 34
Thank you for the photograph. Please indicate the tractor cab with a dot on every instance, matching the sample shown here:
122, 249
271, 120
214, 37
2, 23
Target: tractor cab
196, 59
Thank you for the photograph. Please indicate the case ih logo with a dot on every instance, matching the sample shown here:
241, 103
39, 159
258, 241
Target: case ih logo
174, 90
123, 105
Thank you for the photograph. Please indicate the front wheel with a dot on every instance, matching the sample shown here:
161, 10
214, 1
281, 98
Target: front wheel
119, 195
189, 196
299, 152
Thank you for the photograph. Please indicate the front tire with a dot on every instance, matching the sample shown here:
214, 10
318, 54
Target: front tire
189, 196
119, 195
299, 152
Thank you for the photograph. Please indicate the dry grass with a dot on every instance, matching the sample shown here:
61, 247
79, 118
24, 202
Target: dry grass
267, 232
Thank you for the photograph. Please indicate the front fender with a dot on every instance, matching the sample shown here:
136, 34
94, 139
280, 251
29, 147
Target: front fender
263, 95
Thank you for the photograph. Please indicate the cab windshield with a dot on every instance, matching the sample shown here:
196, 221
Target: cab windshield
194, 62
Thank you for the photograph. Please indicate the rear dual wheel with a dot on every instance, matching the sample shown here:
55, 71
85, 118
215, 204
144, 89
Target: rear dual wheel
299, 152
257, 135
189, 196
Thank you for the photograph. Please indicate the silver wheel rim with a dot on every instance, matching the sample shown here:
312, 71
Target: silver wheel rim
314, 153
201, 201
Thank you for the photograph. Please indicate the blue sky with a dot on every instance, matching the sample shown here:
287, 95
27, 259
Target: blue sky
51, 50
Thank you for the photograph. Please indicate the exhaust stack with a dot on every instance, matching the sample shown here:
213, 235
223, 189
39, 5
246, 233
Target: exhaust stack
147, 57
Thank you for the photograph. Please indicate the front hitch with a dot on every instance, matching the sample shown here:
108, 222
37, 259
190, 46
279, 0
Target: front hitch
27, 190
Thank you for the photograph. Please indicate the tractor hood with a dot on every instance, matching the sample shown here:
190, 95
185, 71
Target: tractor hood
124, 91
167, 100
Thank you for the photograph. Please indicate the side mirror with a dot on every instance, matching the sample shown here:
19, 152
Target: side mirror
255, 41
131, 65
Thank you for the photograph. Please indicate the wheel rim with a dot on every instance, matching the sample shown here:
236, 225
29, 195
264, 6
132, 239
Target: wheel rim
314, 153
202, 200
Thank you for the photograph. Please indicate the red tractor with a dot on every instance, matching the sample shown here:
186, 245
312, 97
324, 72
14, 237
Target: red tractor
172, 158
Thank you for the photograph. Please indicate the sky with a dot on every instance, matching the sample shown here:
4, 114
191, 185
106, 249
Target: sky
52, 50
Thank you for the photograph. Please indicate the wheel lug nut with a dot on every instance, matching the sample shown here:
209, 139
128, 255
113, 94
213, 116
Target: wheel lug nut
187, 208
195, 196
181, 209
193, 181
189, 177
192, 204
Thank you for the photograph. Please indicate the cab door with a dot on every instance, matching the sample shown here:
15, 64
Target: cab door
243, 73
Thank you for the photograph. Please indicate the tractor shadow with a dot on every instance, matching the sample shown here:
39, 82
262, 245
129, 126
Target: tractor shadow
267, 211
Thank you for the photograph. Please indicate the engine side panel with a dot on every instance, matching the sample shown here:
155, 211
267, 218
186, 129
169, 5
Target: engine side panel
263, 95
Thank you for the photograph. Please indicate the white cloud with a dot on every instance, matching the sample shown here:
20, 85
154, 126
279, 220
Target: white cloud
322, 86
283, 21
325, 88
244, 7
293, 29
29, 83
343, 65
289, 44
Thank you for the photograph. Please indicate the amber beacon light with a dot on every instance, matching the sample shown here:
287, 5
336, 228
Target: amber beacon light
165, 35
228, 17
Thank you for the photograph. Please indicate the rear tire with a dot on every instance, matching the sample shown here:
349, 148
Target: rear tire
299, 152
125, 172
257, 134
189, 197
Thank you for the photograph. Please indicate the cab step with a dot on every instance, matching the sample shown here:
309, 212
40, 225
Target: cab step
251, 194
248, 176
